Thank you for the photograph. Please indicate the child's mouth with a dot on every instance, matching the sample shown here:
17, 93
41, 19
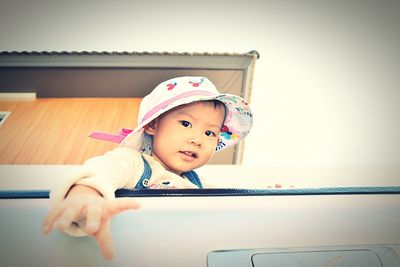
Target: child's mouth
189, 154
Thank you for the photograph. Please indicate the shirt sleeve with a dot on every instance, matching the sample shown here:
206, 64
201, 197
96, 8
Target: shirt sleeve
116, 169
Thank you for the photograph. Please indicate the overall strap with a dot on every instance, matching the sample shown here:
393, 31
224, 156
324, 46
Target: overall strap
143, 182
194, 178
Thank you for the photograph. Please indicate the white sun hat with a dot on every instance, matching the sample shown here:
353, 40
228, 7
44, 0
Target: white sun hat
180, 91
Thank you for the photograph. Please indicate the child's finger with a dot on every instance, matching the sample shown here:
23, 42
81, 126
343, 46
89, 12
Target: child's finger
94, 214
70, 214
121, 204
104, 240
51, 217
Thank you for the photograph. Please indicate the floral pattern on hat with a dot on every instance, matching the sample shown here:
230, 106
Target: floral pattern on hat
228, 134
196, 82
171, 85
237, 123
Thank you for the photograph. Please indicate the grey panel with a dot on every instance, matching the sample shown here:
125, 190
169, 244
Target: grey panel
366, 258
346, 256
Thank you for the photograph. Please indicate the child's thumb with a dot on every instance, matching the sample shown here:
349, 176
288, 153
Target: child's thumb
121, 204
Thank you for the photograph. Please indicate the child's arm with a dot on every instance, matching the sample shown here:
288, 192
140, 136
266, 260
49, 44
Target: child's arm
87, 204
119, 168
84, 203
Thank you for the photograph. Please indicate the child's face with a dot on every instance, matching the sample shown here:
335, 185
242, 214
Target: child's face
186, 137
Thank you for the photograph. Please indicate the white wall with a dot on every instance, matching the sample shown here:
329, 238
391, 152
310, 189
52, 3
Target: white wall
326, 86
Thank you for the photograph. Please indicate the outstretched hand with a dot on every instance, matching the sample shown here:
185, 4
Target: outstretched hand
93, 212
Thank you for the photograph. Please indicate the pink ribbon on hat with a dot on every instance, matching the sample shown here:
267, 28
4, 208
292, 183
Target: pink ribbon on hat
116, 138
173, 99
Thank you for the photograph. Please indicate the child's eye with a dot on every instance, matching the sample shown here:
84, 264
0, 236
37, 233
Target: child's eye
185, 124
210, 133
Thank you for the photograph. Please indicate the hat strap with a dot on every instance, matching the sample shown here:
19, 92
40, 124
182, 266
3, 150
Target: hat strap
116, 138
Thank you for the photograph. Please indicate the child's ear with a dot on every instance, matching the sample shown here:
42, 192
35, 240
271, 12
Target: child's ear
150, 127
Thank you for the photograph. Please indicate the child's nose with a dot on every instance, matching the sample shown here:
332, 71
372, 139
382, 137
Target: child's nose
197, 139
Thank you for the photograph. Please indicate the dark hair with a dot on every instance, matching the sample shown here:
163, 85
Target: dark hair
218, 104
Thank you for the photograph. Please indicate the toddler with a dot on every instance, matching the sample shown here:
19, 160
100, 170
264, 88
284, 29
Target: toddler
181, 123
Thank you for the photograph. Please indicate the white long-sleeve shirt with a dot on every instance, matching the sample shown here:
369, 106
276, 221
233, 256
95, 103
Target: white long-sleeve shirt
120, 168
